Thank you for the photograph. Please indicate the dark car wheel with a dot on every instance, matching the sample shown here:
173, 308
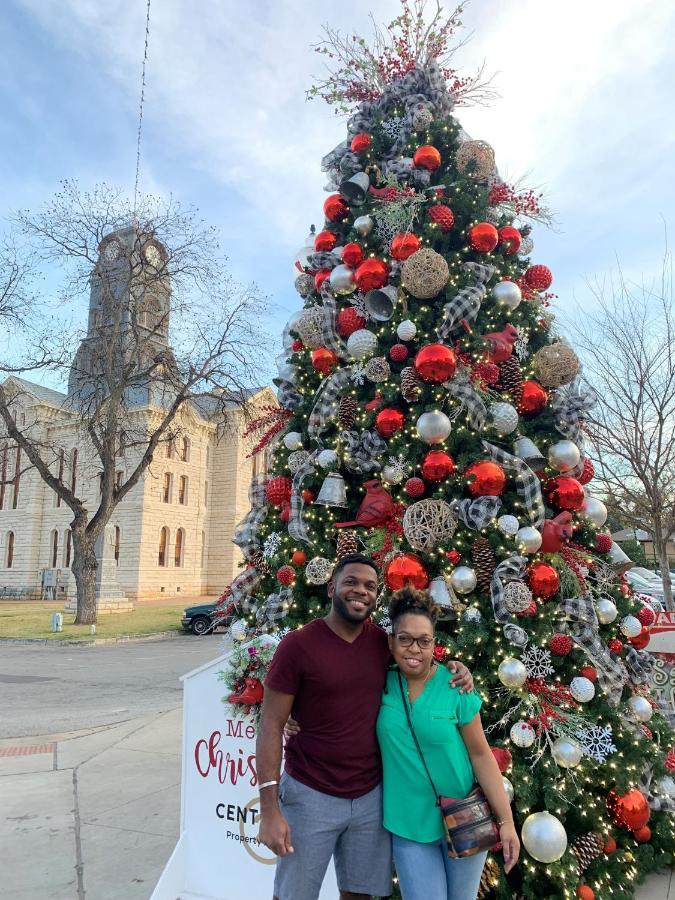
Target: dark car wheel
200, 625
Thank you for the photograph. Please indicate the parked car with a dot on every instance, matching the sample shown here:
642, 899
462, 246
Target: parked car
204, 618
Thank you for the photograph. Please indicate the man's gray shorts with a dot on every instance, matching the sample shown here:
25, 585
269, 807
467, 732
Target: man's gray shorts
323, 826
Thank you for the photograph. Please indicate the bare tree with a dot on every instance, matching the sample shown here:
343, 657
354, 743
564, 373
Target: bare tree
628, 345
168, 330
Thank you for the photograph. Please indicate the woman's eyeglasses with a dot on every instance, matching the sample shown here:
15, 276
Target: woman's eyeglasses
406, 640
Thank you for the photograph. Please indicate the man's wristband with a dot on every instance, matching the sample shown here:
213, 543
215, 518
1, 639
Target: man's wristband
267, 784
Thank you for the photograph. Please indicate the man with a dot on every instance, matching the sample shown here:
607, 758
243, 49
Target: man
328, 803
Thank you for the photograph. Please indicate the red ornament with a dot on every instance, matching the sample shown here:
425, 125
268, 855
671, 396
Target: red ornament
629, 810
414, 487
486, 372
389, 420
442, 216
610, 846
539, 278
435, 363
297, 345
615, 646
399, 353
588, 672
560, 644
646, 615
324, 241
360, 142
285, 513
286, 575
641, 640
588, 471
643, 835
557, 532
320, 277
503, 758
427, 157
437, 466
454, 556
352, 255
486, 479
564, 492
533, 398
543, 579
483, 237
585, 893
278, 490
376, 508
511, 238
348, 321
531, 610
324, 360
669, 762
603, 541
299, 558
251, 694
440, 652
371, 274
335, 208
625, 590
404, 245
308, 496
501, 343
406, 569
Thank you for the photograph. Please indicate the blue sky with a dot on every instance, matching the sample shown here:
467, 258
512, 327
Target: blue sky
585, 111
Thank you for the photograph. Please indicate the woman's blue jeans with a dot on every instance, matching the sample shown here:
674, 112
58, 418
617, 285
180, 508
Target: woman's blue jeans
426, 872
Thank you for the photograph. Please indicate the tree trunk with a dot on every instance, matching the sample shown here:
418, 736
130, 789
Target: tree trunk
662, 550
85, 566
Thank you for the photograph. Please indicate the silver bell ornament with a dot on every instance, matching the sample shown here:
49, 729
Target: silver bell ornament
327, 458
508, 787
438, 590
433, 427
363, 225
392, 474
618, 559
507, 293
544, 837
472, 615
504, 417
293, 440
582, 689
512, 672
362, 344
606, 610
407, 330
566, 752
522, 734
594, 511
341, 279
564, 456
381, 303
525, 448
641, 708
333, 491
631, 626
528, 539
355, 189
508, 525
463, 580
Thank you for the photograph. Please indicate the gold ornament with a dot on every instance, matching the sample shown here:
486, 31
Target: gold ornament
428, 523
555, 365
309, 327
425, 274
475, 159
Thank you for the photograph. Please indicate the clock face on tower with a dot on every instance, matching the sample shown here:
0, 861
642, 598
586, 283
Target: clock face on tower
152, 255
111, 251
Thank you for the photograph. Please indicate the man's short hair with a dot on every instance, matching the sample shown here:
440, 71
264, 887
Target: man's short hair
354, 559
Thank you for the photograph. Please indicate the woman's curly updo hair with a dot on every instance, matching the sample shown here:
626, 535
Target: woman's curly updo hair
410, 600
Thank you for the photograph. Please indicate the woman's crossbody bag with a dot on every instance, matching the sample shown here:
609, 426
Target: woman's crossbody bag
469, 825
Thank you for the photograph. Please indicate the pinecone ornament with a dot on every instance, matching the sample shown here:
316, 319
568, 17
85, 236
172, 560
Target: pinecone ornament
347, 412
346, 544
260, 563
489, 878
410, 387
511, 378
483, 562
587, 848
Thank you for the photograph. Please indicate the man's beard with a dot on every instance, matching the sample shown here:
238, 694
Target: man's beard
343, 609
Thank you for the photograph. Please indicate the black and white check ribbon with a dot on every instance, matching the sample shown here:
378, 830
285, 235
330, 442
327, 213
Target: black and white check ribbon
528, 486
363, 450
461, 388
570, 404
326, 401
640, 665
243, 588
478, 513
297, 527
274, 608
509, 569
657, 802
247, 532
465, 305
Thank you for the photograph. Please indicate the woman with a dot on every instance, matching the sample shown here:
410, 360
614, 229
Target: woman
449, 730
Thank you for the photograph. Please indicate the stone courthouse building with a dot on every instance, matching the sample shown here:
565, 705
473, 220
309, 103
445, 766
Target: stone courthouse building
170, 536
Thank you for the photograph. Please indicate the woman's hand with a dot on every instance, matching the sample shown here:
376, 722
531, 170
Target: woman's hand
510, 845
291, 728
463, 678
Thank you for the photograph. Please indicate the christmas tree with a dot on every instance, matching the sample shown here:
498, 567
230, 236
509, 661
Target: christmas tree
431, 416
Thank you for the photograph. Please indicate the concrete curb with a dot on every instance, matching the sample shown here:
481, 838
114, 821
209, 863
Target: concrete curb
85, 642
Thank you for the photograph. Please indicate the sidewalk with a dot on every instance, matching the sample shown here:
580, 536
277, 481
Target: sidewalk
95, 814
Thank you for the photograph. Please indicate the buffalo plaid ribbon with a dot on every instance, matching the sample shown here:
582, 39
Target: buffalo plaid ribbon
570, 403
640, 665
478, 514
363, 450
528, 487
465, 305
509, 569
243, 587
297, 527
461, 388
247, 532
657, 802
326, 401
274, 608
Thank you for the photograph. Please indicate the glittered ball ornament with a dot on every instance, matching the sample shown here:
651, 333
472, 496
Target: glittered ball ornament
587, 473
589, 672
454, 556
352, 255
335, 208
427, 157
324, 360
414, 487
239, 630
544, 837
641, 708
485, 479
533, 398
286, 575
564, 493
641, 640
615, 646
437, 466
646, 616
341, 279
566, 752
483, 237
371, 274
539, 278
324, 241
606, 611
392, 474
504, 417
560, 644
435, 363
528, 539
442, 216
360, 142
406, 569
278, 490
389, 420
463, 579
630, 626
510, 238
399, 353
507, 293
512, 673
425, 274
522, 734
406, 330
563, 455
603, 542
508, 525
348, 321
433, 427
362, 344
404, 245
293, 440
543, 579
582, 689
304, 284
629, 810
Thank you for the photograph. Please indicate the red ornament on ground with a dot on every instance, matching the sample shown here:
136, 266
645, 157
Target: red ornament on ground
560, 644
348, 321
360, 142
442, 216
557, 532
610, 846
389, 420
286, 575
641, 640
643, 835
501, 343
483, 237
646, 615
435, 363
511, 238
533, 398
486, 479
427, 157
324, 241
404, 245
588, 471
324, 360
371, 274
454, 556
543, 579
278, 490
629, 810
503, 758
589, 672
308, 496
414, 487
615, 646
603, 541
399, 353
320, 277
437, 466
335, 208
406, 569
564, 492
352, 255
539, 278
585, 893
299, 558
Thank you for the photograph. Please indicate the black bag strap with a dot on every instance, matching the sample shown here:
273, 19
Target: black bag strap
417, 743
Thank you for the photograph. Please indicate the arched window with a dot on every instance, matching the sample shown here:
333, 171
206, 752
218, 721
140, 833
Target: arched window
169, 449
73, 470
185, 449
180, 548
55, 548
118, 536
62, 462
167, 487
183, 490
208, 455
162, 559
17, 478
203, 553
10, 549
3, 474
68, 549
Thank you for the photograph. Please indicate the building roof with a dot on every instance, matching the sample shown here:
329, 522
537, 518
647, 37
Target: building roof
39, 391
631, 534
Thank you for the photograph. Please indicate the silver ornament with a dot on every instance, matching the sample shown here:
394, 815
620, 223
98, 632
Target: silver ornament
363, 225
293, 440
304, 284
296, 459
512, 672
472, 615
504, 417
406, 330
595, 511
563, 455
239, 630
508, 525
463, 580
508, 787
566, 752
526, 246
327, 458
422, 118
433, 427
392, 474
528, 539
606, 610
666, 786
507, 293
582, 689
318, 570
544, 837
438, 590
341, 279
522, 734
641, 708
631, 626
362, 344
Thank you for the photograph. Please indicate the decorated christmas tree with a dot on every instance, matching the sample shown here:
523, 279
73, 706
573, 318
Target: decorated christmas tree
432, 416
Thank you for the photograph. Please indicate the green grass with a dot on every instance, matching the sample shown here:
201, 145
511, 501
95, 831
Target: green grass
34, 620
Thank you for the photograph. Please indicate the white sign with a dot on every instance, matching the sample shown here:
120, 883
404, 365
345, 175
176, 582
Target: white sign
218, 855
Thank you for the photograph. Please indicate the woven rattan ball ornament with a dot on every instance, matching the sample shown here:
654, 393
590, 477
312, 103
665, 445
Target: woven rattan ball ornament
296, 459
483, 562
517, 596
347, 412
555, 365
475, 159
309, 327
428, 523
377, 369
346, 543
304, 284
318, 570
425, 274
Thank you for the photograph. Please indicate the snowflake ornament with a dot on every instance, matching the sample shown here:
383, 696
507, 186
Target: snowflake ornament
358, 374
385, 231
358, 301
399, 465
393, 127
537, 661
272, 545
596, 741
521, 348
